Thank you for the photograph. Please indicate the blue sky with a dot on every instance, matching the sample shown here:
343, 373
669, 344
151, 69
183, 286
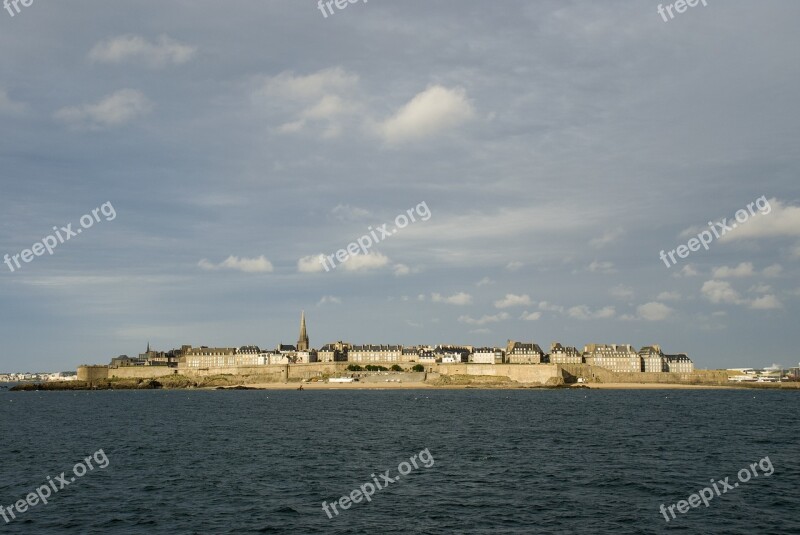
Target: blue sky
560, 146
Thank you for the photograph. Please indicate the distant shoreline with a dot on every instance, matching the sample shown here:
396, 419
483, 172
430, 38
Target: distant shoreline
374, 385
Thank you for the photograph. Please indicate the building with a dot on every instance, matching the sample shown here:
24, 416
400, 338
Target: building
336, 352
679, 363
426, 356
375, 353
251, 356
523, 353
210, 357
306, 357
487, 355
564, 355
617, 358
452, 354
302, 340
653, 359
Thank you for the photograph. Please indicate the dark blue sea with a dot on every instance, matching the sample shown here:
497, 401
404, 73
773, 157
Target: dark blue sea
503, 461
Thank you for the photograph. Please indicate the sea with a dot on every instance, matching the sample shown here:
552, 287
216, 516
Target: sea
469, 461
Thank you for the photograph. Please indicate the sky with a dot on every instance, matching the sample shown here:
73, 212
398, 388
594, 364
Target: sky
548, 150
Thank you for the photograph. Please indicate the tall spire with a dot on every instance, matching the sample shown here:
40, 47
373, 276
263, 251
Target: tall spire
148, 346
302, 341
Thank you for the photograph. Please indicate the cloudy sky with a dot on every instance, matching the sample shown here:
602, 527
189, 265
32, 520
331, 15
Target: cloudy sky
559, 147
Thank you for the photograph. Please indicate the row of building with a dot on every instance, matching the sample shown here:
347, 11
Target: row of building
617, 358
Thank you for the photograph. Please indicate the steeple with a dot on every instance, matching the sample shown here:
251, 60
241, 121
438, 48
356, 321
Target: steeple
148, 346
302, 341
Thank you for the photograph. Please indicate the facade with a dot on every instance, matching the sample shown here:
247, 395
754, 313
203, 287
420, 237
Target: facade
523, 353
487, 355
375, 353
564, 355
336, 352
680, 363
452, 354
426, 356
617, 358
211, 357
306, 357
653, 359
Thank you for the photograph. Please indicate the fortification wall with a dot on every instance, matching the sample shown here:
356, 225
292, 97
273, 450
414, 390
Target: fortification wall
92, 374
141, 372
521, 373
602, 375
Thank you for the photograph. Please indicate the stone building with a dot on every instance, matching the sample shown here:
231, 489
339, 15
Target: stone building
487, 355
210, 357
679, 363
564, 355
336, 352
617, 358
375, 353
523, 353
653, 359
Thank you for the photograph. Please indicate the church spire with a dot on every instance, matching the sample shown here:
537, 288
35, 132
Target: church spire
302, 341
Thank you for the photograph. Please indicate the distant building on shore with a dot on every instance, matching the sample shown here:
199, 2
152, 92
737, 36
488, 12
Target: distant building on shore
523, 353
488, 355
375, 353
564, 355
615, 357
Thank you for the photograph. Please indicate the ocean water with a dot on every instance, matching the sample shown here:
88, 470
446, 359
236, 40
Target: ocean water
504, 461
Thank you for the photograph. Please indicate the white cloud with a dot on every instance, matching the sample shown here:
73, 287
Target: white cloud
484, 319
687, 271
544, 305
421, 297
773, 271
654, 311
345, 212
511, 300
310, 264
8, 106
329, 299
514, 265
767, 302
720, 292
401, 270
459, 299
608, 237
583, 312
163, 52
780, 220
621, 291
114, 110
530, 316
669, 296
745, 269
486, 281
760, 289
365, 262
602, 267
429, 113
247, 265
480, 331
321, 100
307, 87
